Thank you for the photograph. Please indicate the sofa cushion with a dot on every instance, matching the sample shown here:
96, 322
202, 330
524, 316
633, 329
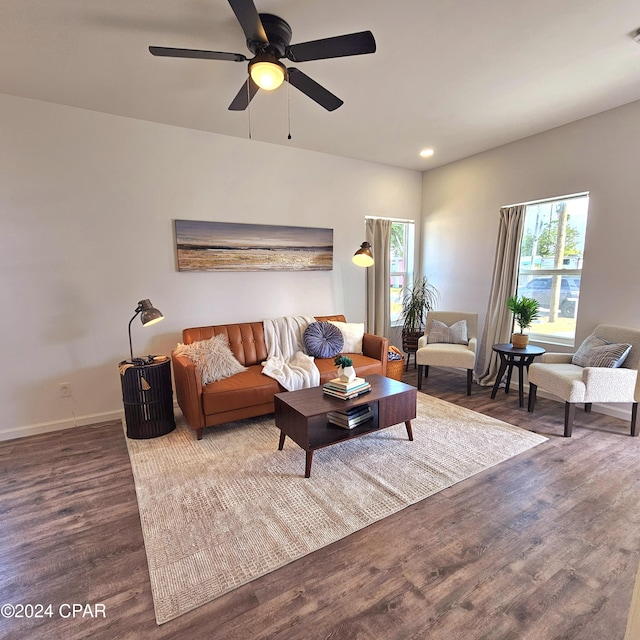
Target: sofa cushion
246, 389
323, 340
596, 352
213, 357
439, 332
352, 332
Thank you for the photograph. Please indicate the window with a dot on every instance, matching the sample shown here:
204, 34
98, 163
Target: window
550, 270
401, 264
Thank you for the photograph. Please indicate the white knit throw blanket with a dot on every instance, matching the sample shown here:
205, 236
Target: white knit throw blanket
287, 363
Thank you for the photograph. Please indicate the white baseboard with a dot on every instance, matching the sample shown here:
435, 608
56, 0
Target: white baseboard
615, 411
59, 425
67, 423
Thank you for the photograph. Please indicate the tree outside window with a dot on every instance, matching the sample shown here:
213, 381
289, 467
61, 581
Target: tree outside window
401, 264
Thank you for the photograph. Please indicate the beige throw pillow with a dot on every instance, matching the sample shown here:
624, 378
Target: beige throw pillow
213, 357
352, 332
596, 352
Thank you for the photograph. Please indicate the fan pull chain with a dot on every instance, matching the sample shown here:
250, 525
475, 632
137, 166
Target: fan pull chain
249, 106
289, 111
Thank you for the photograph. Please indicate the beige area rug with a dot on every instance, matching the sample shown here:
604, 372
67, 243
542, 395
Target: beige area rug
220, 512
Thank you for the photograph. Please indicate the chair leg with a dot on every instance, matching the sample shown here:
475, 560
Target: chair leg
634, 415
587, 407
532, 396
469, 380
420, 368
569, 412
426, 370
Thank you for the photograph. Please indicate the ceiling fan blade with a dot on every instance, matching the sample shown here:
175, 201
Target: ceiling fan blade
197, 53
249, 20
353, 44
244, 96
314, 90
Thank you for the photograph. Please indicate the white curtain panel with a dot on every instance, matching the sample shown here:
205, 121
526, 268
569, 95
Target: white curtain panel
498, 322
378, 234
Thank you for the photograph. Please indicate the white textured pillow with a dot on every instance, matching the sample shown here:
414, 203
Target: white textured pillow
352, 333
213, 357
455, 334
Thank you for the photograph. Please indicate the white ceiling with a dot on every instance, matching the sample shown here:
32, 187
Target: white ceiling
461, 76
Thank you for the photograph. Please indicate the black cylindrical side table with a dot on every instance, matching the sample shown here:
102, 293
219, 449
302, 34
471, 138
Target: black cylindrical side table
147, 395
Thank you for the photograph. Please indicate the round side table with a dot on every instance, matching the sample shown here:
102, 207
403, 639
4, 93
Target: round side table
511, 357
147, 394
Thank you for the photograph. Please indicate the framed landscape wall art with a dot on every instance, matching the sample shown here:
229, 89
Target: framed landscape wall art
229, 246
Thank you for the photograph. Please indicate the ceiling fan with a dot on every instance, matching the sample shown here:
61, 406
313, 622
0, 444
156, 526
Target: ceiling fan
268, 39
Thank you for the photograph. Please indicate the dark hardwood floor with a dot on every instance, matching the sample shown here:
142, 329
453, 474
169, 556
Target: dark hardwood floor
545, 545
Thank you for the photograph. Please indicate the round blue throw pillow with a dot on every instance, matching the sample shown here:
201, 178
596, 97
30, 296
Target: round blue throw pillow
323, 340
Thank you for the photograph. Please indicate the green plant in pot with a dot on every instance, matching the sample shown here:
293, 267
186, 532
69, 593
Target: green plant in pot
525, 311
418, 299
346, 372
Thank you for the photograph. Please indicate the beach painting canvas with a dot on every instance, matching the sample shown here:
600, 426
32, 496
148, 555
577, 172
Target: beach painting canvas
230, 246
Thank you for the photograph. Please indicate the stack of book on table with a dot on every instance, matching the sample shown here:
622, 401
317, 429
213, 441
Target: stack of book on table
351, 417
346, 390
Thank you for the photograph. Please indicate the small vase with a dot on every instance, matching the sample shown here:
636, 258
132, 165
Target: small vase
346, 374
520, 340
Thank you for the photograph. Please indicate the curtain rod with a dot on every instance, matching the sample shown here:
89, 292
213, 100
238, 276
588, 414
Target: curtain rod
569, 197
391, 219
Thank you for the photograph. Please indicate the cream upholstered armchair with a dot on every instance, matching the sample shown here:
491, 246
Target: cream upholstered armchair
450, 340
604, 369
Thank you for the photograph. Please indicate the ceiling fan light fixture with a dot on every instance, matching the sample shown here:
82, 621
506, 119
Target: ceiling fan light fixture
267, 74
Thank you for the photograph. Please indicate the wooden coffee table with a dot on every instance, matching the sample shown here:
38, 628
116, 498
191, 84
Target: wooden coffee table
302, 415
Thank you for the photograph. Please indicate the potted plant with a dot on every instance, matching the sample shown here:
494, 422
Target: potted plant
525, 311
346, 372
417, 299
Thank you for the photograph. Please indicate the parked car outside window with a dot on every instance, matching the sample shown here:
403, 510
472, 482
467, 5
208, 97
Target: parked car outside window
539, 287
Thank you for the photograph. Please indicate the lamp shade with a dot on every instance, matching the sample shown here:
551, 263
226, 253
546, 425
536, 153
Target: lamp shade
363, 257
149, 315
267, 74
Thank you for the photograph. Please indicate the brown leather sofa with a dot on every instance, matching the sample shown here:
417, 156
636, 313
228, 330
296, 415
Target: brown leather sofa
250, 393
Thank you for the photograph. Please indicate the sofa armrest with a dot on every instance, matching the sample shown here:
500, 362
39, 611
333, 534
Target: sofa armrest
473, 344
188, 389
609, 385
422, 341
556, 358
376, 347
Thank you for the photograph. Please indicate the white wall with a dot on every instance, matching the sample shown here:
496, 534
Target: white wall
600, 154
87, 203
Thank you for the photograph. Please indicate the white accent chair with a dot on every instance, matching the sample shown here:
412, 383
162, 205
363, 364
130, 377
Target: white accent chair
439, 354
555, 373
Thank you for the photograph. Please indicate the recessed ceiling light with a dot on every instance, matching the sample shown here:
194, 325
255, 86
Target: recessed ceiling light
426, 153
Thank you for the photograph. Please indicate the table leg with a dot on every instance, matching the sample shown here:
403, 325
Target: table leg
307, 468
521, 383
409, 429
281, 443
507, 385
503, 366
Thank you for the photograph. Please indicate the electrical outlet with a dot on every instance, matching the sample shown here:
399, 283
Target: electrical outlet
65, 389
